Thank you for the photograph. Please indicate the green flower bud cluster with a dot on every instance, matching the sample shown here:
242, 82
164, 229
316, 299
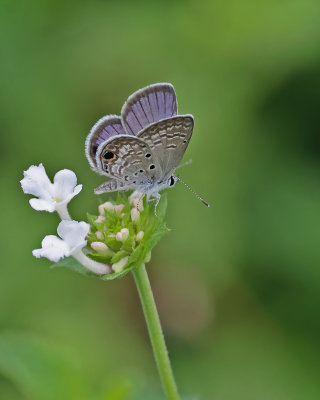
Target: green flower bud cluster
124, 233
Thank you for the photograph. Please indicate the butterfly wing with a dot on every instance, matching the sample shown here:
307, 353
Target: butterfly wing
105, 128
168, 140
129, 160
148, 105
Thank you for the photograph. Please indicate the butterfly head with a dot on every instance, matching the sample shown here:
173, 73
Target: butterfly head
172, 181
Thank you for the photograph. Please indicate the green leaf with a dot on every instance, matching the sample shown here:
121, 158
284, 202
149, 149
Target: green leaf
115, 275
40, 369
113, 244
118, 256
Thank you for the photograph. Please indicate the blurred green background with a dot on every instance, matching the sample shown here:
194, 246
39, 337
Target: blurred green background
238, 285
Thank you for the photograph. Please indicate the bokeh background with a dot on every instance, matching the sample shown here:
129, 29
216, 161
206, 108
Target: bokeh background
238, 285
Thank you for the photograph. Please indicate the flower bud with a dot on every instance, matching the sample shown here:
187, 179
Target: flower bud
99, 235
122, 235
139, 236
105, 206
100, 219
119, 266
119, 208
125, 233
137, 203
135, 214
101, 248
148, 257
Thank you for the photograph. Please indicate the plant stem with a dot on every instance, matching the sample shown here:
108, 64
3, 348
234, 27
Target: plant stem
155, 332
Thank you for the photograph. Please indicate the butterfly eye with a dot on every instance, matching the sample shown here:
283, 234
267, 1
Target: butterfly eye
171, 181
108, 155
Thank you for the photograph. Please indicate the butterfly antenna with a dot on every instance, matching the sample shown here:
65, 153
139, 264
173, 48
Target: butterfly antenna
192, 191
184, 164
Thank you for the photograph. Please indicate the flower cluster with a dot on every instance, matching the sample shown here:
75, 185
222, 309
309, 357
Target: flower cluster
112, 243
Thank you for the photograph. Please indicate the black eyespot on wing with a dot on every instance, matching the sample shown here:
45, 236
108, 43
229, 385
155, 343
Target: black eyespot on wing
148, 155
171, 182
105, 167
108, 155
141, 170
152, 166
184, 141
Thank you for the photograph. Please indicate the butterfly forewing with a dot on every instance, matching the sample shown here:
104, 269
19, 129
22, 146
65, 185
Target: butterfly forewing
105, 128
148, 105
168, 140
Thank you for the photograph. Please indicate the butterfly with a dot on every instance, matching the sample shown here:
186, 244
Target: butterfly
141, 149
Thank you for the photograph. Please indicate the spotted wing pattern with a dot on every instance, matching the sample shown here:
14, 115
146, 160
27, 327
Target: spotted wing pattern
168, 140
105, 128
150, 104
128, 159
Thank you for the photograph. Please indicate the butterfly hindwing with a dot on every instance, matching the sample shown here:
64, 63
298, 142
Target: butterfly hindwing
128, 159
148, 105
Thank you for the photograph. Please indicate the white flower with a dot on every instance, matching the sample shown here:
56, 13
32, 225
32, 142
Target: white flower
51, 196
72, 234
73, 239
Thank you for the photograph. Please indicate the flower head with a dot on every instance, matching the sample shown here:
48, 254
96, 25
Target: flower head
122, 236
51, 196
72, 234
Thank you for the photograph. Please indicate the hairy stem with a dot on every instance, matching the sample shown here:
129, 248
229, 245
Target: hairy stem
155, 332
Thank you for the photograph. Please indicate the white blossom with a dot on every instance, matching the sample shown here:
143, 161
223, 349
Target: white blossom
72, 240
51, 196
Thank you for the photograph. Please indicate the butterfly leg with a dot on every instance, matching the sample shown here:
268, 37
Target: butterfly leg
156, 197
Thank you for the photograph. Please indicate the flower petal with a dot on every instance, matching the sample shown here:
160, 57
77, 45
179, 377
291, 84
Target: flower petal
42, 205
53, 248
73, 233
77, 190
36, 182
64, 185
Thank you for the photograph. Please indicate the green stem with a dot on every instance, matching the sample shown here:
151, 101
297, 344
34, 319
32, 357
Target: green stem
155, 332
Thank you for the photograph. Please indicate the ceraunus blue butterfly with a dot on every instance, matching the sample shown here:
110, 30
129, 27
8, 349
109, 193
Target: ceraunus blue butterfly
141, 149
